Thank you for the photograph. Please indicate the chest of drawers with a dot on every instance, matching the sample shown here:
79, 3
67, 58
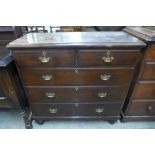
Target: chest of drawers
8, 95
11, 92
141, 104
77, 75
7, 92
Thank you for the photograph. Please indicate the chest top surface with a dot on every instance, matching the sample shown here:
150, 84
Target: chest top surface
76, 39
146, 34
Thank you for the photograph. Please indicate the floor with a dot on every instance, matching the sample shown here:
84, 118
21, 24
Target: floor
13, 120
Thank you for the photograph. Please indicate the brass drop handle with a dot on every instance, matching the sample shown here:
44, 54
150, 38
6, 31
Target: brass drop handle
149, 108
76, 88
50, 95
3, 98
105, 77
47, 77
53, 110
108, 58
11, 91
102, 95
99, 110
44, 58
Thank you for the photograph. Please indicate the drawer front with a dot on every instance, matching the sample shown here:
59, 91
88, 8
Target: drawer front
150, 53
76, 94
7, 90
142, 108
5, 102
104, 58
51, 58
76, 76
144, 91
149, 71
74, 110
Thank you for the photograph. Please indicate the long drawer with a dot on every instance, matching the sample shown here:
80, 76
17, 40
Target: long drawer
148, 71
76, 76
144, 91
44, 58
72, 110
76, 94
142, 108
108, 58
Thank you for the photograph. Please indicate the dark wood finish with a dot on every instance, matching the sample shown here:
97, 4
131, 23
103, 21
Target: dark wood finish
141, 104
76, 94
58, 58
5, 102
8, 96
142, 33
10, 85
76, 87
144, 91
148, 73
11, 90
150, 54
121, 58
77, 76
72, 110
142, 108
7, 34
105, 40
137, 118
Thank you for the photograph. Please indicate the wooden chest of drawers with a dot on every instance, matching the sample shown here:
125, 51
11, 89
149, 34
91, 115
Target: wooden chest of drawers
11, 92
141, 104
77, 75
7, 92
8, 96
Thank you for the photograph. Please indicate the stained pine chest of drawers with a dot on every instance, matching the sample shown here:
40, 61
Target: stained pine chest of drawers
78, 74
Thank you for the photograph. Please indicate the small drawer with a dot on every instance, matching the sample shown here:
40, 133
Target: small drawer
148, 71
92, 77
75, 110
144, 91
76, 94
100, 58
142, 108
41, 58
